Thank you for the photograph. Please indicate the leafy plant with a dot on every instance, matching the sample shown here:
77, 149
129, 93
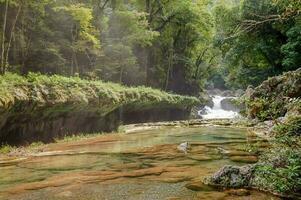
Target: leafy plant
281, 171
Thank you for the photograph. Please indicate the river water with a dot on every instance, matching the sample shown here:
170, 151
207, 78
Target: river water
143, 165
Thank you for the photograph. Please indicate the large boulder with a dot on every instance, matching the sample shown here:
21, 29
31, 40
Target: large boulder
239, 93
272, 99
206, 99
227, 93
232, 176
230, 104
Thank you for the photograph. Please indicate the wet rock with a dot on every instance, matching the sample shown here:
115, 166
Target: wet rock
237, 153
227, 93
249, 92
212, 195
199, 186
204, 157
239, 192
65, 194
214, 92
229, 104
239, 93
244, 159
232, 176
206, 98
210, 103
173, 198
183, 147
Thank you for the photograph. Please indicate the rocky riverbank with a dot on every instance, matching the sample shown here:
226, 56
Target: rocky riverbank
276, 106
41, 108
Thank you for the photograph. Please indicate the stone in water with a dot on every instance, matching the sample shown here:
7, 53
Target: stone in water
183, 147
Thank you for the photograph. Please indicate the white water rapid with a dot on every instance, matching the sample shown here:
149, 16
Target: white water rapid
217, 112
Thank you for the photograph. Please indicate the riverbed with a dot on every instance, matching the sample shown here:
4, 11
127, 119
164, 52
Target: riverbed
140, 165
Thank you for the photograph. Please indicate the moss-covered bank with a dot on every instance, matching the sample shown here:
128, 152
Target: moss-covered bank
279, 168
39, 107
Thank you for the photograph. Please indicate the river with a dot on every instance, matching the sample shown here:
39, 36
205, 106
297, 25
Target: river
141, 165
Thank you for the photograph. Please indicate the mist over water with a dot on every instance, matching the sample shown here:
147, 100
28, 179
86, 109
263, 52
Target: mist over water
217, 112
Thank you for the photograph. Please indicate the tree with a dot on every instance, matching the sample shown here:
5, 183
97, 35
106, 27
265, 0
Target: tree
257, 39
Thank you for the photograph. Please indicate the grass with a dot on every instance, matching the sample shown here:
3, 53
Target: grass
77, 137
5, 149
36, 90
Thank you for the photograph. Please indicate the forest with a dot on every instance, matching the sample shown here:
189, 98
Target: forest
150, 99
181, 46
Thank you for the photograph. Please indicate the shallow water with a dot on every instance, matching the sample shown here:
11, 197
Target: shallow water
141, 165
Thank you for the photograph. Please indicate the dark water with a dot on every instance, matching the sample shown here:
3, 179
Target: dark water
140, 165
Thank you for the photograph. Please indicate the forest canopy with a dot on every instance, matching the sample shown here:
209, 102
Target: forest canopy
175, 45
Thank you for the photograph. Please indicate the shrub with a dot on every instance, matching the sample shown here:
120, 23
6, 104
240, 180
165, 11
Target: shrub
281, 171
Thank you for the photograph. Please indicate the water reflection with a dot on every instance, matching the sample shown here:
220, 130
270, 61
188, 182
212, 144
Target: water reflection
118, 164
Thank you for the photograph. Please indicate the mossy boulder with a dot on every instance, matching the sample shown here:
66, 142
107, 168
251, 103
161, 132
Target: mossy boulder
232, 176
274, 97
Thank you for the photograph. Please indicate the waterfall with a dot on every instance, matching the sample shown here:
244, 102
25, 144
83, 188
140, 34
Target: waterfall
216, 112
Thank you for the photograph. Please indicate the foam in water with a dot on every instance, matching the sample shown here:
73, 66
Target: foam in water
217, 112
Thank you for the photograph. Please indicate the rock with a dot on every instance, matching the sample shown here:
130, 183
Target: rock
249, 92
64, 194
210, 103
244, 159
239, 93
228, 104
195, 112
214, 92
204, 157
216, 195
198, 186
232, 176
239, 192
227, 93
183, 147
206, 99
237, 153
173, 198
272, 99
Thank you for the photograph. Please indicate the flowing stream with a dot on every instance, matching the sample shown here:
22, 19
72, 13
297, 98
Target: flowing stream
216, 112
142, 165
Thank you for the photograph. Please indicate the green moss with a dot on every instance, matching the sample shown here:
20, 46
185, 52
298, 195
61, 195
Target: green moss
56, 95
77, 137
4, 149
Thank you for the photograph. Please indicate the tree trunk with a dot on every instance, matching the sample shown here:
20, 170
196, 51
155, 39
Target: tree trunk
170, 64
2, 68
6, 63
148, 50
121, 74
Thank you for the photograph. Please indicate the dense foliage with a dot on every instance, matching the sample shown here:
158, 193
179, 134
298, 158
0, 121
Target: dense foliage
258, 39
164, 44
172, 45
281, 169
